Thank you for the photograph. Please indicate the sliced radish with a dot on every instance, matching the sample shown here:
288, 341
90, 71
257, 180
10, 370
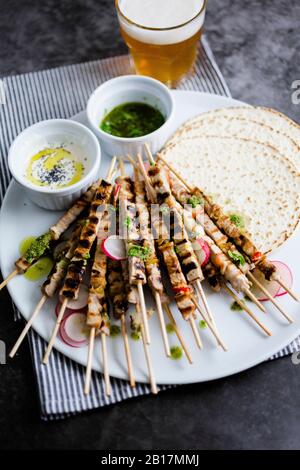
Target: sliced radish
73, 330
58, 307
147, 166
272, 286
286, 275
203, 251
82, 299
68, 310
114, 248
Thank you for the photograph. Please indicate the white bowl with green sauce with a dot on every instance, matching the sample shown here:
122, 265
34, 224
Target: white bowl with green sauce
127, 112
55, 161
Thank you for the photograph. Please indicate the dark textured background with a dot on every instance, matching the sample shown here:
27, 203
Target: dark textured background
257, 45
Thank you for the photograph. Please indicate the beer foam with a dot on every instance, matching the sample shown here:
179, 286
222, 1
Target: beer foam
161, 14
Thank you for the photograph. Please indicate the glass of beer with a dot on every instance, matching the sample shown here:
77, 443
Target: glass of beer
162, 35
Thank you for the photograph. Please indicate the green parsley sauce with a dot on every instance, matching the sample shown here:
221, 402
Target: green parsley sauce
135, 335
202, 324
32, 248
176, 352
195, 201
37, 247
235, 307
238, 220
132, 120
141, 252
115, 330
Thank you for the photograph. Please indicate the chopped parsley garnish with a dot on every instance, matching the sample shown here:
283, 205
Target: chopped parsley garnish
238, 220
86, 256
176, 352
141, 252
164, 209
194, 201
135, 335
237, 258
127, 221
202, 324
38, 247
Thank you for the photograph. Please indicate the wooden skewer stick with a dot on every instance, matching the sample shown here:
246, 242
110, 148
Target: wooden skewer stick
65, 302
178, 175
162, 324
151, 159
88, 373
148, 357
144, 312
196, 333
247, 309
177, 331
140, 168
289, 291
28, 326
139, 284
55, 331
204, 300
268, 295
150, 189
105, 364
254, 300
11, 276
127, 352
210, 326
149, 154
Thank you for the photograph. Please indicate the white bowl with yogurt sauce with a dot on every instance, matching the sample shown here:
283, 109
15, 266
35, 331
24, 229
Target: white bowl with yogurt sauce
55, 133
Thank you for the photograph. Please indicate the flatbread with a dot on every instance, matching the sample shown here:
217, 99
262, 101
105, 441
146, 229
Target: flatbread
244, 176
224, 126
258, 123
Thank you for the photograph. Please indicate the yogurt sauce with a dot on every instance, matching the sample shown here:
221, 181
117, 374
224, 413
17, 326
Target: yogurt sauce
55, 168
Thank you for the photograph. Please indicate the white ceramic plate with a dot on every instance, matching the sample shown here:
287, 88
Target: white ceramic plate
247, 344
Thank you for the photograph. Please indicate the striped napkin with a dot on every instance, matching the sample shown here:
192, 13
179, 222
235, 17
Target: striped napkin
62, 93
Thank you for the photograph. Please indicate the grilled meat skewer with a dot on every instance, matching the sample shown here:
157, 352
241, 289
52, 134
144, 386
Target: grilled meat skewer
87, 237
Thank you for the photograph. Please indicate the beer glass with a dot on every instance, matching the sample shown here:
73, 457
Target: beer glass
162, 35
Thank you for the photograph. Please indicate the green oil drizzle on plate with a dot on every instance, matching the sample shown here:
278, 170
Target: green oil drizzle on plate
176, 352
40, 269
235, 307
115, 330
25, 245
170, 328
